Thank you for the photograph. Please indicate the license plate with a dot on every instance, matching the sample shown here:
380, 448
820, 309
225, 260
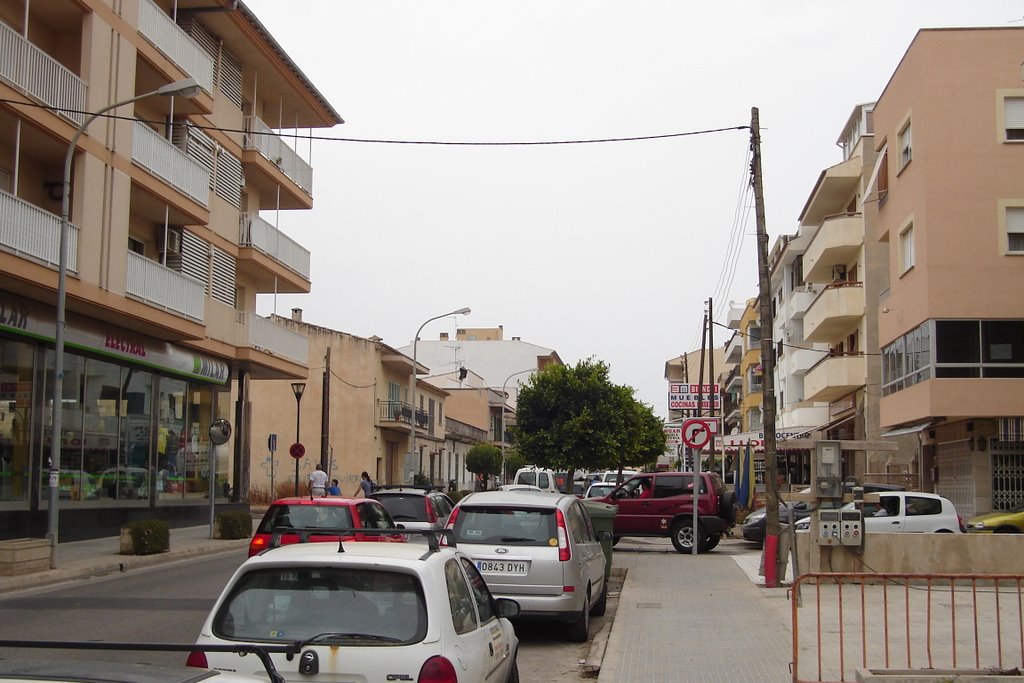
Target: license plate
501, 567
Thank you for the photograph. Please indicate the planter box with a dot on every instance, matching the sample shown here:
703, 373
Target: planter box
24, 556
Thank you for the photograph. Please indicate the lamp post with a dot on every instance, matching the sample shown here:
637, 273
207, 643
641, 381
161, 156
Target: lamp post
415, 340
297, 389
503, 399
186, 88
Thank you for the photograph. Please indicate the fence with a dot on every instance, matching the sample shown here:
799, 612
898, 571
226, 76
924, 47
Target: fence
849, 621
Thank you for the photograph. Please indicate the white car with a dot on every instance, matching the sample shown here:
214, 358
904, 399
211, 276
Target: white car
539, 549
612, 476
370, 612
532, 475
905, 512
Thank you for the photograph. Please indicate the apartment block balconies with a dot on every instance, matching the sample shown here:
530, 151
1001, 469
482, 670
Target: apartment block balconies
463, 432
836, 311
161, 158
271, 257
163, 288
835, 376
40, 76
267, 348
29, 232
734, 349
837, 242
272, 164
799, 300
397, 415
175, 44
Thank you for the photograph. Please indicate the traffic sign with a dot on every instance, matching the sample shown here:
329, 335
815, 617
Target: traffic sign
272, 443
697, 432
296, 450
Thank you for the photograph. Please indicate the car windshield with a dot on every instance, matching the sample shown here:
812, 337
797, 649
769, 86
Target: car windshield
306, 516
506, 525
404, 507
350, 605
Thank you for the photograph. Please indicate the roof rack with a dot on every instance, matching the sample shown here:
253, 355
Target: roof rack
304, 534
262, 652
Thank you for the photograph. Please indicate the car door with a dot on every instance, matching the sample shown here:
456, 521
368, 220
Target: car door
889, 523
590, 550
923, 514
499, 651
633, 506
473, 650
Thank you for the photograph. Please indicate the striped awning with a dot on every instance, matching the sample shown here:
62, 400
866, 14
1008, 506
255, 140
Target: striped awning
1011, 429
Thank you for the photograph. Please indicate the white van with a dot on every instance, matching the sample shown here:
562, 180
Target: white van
536, 476
612, 476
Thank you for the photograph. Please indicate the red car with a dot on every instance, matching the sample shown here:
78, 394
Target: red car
322, 513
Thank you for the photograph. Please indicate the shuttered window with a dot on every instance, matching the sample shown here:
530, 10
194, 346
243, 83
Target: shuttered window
1015, 229
1014, 110
223, 277
194, 259
225, 169
228, 68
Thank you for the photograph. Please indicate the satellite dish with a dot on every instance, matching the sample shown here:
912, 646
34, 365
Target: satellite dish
220, 431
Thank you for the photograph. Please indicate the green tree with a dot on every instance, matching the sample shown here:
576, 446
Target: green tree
484, 459
574, 417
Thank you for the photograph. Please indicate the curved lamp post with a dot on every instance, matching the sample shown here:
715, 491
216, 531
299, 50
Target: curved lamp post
415, 340
186, 88
503, 399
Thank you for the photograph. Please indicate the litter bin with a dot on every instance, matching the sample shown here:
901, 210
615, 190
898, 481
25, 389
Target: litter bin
603, 517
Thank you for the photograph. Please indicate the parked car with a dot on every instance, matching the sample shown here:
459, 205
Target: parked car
905, 512
536, 476
375, 612
755, 524
289, 519
998, 522
612, 476
519, 487
661, 504
599, 490
415, 507
539, 549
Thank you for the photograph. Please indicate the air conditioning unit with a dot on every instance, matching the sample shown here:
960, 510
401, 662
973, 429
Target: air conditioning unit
838, 273
173, 245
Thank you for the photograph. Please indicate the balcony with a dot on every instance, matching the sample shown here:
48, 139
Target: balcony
167, 37
398, 414
838, 241
835, 312
259, 235
272, 147
164, 288
265, 335
734, 349
835, 376
29, 232
832, 193
40, 75
799, 361
161, 158
465, 433
734, 384
800, 299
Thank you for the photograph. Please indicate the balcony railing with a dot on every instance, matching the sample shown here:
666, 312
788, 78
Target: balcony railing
161, 158
266, 335
40, 75
164, 288
260, 137
399, 411
166, 36
462, 429
27, 230
259, 234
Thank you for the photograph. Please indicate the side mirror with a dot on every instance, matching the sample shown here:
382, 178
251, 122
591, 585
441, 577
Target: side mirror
506, 607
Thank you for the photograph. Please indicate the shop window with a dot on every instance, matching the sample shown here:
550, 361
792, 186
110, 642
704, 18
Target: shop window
16, 361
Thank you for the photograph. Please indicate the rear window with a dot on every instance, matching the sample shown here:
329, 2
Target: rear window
294, 603
506, 525
538, 479
404, 508
306, 516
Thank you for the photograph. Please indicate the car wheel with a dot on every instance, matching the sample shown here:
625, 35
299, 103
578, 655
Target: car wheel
682, 536
579, 630
710, 543
943, 531
602, 602
513, 674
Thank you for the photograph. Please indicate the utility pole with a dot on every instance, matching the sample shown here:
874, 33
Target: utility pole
767, 358
325, 416
711, 380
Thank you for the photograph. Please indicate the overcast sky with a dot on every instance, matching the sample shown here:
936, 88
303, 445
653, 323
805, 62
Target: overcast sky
596, 250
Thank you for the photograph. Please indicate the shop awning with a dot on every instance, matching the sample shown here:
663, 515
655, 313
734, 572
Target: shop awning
911, 429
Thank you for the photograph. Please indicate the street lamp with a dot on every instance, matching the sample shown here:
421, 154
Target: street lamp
503, 398
297, 389
415, 340
186, 88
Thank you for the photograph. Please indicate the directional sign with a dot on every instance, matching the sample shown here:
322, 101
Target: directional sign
296, 450
697, 432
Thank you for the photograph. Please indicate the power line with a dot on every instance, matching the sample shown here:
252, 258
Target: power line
451, 143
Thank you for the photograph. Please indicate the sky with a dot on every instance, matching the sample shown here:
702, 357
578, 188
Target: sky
608, 250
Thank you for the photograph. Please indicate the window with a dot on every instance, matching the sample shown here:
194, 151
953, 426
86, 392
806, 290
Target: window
906, 254
1015, 229
480, 592
906, 146
460, 599
1013, 109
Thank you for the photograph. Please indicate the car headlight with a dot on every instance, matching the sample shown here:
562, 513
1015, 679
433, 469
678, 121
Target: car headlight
979, 525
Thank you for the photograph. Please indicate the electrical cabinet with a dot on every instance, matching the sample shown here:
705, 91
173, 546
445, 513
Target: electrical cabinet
840, 527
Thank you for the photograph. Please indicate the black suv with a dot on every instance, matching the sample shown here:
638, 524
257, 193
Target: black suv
415, 507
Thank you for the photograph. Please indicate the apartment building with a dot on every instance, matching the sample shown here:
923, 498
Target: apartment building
167, 250
949, 190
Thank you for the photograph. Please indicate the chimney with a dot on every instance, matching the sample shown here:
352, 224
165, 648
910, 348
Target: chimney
444, 336
297, 315
516, 339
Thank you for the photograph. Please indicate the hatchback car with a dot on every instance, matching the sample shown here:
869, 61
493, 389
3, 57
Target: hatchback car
289, 519
370, 612
905, 512
539, 549
415, 507
599, 489
998, 522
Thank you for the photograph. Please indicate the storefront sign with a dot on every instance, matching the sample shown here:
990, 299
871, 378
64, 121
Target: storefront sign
693, 396
22, 316
732, 442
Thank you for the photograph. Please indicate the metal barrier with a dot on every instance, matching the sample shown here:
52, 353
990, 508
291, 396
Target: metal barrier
906, 622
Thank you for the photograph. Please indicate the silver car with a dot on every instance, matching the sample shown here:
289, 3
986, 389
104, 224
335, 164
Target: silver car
539, 549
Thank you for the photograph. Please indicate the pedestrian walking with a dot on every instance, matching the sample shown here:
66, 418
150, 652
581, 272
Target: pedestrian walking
317, 482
